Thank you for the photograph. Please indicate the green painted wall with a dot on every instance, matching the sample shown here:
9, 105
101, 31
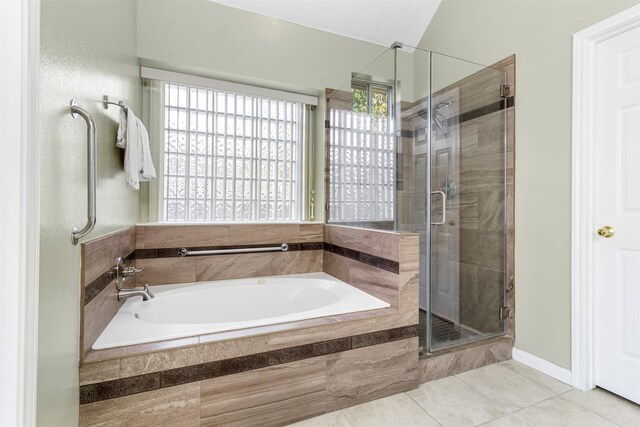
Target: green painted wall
209, 39
88, 49
540, 34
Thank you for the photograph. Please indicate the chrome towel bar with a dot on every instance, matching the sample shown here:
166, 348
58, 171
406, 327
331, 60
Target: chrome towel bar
91, 172
283, 248
106, 102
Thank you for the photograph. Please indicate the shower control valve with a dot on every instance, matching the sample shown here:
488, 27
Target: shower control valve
121, 272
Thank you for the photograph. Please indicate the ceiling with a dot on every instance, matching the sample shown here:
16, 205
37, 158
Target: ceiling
377, 21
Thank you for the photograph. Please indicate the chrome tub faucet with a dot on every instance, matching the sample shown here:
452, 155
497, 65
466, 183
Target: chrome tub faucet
145, 293
122, 272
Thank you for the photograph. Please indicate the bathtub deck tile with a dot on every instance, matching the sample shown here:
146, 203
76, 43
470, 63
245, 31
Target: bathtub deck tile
160, 361
171, 236
374, 338
375, 281
220, 267
95, 262
375, 242
138, 349
99, 371
175, 406
272, 396
311, 232
253, 234
160, 271
97, 315
364, 374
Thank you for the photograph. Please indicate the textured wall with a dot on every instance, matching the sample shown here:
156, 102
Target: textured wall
88, 49
539, 33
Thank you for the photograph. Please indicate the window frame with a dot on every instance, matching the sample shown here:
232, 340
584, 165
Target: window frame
154, 108
369, 86
368, 83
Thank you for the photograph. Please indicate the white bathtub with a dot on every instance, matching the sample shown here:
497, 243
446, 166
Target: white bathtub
206, 307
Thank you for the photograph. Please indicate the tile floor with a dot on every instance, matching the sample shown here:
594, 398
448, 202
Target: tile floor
500, 395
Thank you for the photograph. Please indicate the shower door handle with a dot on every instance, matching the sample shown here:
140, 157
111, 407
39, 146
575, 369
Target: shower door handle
444, 207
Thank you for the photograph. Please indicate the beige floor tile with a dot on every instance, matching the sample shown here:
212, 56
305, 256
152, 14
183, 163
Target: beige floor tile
333, 419
559, 412
506, 388
544, 380
453, 403
396, 410
607, 405
506, 421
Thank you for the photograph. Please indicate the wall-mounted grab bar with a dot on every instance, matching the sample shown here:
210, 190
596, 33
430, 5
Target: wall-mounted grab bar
91, 172
185, 252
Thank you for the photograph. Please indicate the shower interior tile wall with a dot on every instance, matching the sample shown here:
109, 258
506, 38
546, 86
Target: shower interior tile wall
475, 241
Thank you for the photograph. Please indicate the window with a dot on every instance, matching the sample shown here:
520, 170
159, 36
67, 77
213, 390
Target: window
229, 154
371, 98
361, 156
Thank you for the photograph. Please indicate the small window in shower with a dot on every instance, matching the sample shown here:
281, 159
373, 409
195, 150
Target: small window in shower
361, 155
371, 98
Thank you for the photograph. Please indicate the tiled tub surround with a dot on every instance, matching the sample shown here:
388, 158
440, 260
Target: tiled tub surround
272, 395
98, 291
155, 248
322, 364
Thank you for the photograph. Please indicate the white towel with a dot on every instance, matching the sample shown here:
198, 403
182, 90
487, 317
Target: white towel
134, 139
121, 141
147, 171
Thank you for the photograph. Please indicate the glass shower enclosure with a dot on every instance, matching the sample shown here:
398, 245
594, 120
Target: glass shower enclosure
433, 163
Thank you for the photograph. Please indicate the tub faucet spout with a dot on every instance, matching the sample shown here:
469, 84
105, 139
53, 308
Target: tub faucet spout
145, 293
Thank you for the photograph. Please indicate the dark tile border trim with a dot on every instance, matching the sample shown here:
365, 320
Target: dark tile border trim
502, 104
94, 288
157, 380
372, 260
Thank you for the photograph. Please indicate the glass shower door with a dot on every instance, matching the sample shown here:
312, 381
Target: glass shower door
465, 184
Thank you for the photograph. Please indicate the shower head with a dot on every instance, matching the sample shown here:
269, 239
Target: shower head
439, 119
440, 122
442, 104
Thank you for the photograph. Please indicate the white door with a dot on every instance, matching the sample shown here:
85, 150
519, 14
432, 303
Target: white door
618, 206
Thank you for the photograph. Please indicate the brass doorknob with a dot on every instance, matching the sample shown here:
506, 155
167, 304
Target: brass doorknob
606, 231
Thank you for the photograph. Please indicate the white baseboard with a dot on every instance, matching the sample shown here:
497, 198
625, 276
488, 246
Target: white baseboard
555, 371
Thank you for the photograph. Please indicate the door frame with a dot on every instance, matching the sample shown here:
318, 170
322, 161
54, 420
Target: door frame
583, 186
20, 223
